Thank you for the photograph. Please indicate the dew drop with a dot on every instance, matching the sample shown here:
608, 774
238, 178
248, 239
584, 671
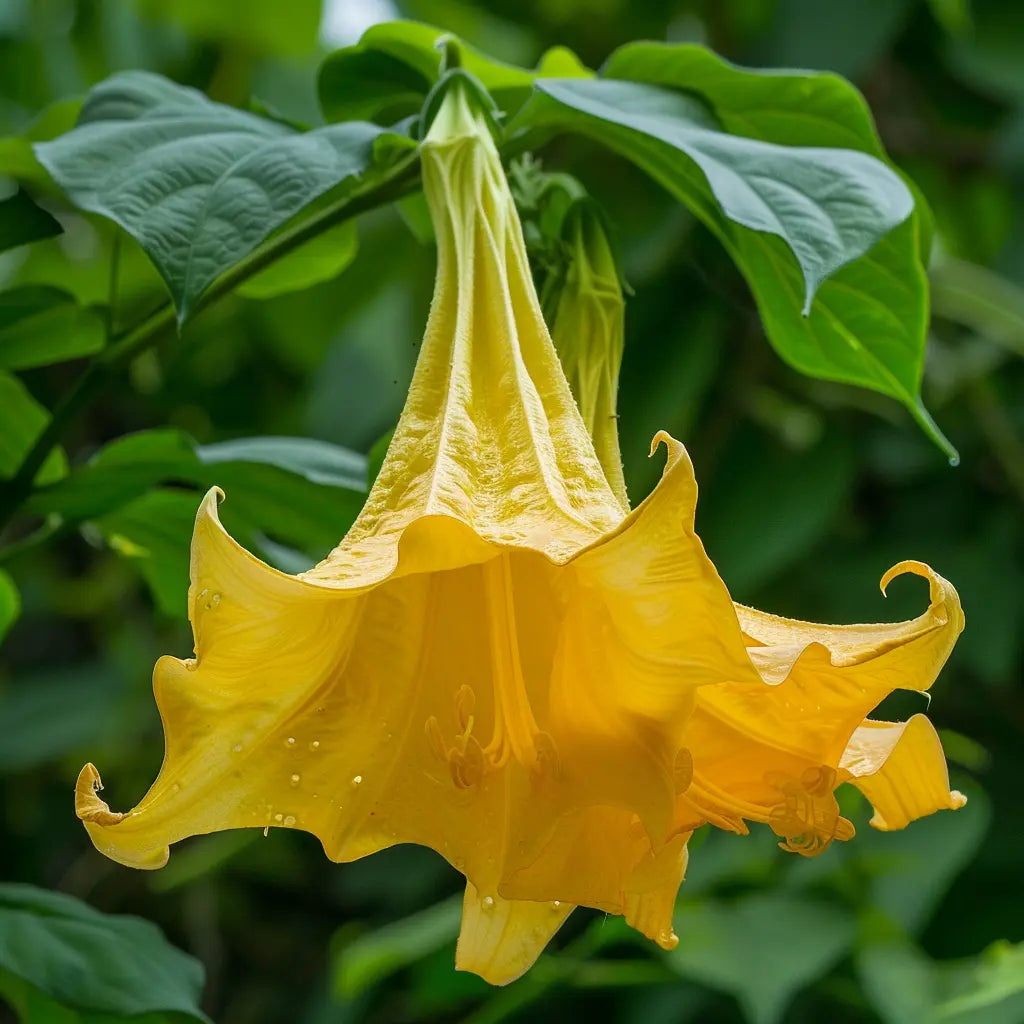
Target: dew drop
357, 780
290, 820
314, 745
488, 902
295, 779
237, 748
278, 817
556, 904
176, 788
290, 742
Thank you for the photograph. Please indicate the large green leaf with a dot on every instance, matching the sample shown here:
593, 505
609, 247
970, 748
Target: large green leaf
21, 221
41, 716
22, 420
724, 945
905, 986
369, 958
41, 325
98, 964
390, 71
302, 492
912, 869
868, 321
153, 531
829, 206
198, 184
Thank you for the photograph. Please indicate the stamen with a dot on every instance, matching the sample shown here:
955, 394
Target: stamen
807, 818
515, 728
682, 770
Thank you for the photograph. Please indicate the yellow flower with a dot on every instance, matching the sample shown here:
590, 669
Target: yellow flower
496, 662
501, 662
776, 752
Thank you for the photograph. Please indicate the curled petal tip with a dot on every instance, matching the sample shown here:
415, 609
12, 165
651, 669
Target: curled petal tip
88, 806
213, 497
901, 568
676, 449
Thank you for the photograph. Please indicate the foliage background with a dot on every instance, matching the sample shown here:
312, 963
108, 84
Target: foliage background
809, 492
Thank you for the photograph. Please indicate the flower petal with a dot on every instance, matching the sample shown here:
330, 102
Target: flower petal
901, 769
771, 751
613, 868
501, 939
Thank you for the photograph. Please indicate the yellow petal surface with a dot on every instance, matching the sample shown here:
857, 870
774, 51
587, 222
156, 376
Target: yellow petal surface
501, 939
772, 752
901, 769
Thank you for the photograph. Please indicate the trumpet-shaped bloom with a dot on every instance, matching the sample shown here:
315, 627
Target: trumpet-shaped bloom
494, 661
500, 662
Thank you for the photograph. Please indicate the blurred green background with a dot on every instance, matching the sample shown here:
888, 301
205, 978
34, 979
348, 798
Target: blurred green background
809, 492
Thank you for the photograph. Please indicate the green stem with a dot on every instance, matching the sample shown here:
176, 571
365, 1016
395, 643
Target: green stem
136, 339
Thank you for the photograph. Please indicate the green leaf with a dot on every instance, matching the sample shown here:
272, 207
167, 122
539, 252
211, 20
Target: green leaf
321, 258
91, 962
22, 420
363, 83
267, 26
154, 530
905, 986
198, 184
41, 713
997, 976
40, 325
302, 492
395, 64
899, 981
912, 869
21, 222
318, 461
10, 603
829, 206
867, 325
763, 949
370, 958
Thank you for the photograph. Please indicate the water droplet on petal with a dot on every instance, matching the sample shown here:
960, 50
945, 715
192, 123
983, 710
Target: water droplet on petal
488, 902
278, 817
357, 780
237, 748
556, 904
296, 778
290, 820
314, 745
290, 742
